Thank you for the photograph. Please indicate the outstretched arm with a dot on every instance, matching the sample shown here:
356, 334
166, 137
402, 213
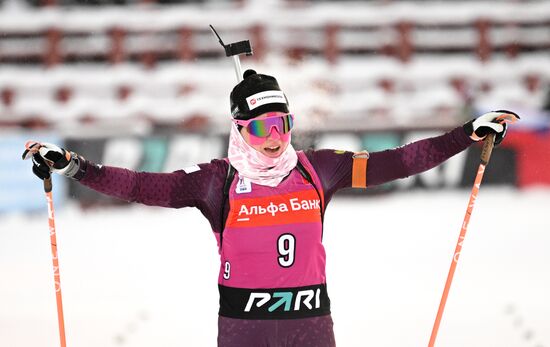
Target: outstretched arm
415, 157
335, 167
425, 154
154, 189
177, 189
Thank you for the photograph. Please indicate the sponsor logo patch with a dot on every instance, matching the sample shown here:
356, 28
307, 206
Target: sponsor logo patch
243, 186
302, 207
267, 97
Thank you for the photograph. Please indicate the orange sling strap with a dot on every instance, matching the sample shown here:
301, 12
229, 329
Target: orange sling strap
359, 170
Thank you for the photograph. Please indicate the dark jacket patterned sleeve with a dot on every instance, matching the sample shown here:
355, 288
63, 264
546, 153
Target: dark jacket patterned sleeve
200, 188
335, 167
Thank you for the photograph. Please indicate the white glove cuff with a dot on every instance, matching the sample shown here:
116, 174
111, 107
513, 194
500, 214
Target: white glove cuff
71, 169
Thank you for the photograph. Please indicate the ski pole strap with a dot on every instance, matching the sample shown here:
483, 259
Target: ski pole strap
359, 170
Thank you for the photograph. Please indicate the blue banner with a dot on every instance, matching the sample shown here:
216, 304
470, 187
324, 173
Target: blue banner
20, 189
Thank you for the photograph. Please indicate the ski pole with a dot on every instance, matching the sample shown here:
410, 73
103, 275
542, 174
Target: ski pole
55, 260
32, 147
485, 156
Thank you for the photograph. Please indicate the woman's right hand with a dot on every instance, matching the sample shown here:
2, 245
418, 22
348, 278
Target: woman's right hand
48, 158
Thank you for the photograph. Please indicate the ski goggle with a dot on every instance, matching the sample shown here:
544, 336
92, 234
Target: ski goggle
262, 127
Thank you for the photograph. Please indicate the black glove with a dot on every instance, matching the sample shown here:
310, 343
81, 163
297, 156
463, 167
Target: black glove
48, 158
490, 122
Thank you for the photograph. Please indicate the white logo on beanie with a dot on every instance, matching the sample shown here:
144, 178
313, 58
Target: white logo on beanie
266, 97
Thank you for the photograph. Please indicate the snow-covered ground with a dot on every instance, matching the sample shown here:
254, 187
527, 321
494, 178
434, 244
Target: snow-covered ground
145, 276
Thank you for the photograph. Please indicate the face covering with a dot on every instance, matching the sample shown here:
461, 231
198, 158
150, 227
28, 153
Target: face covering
257, 167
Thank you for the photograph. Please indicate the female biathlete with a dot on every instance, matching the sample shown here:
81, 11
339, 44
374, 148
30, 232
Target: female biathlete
265, 203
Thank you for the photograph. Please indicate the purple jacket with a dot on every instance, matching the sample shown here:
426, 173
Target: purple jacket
203, 189
268, 258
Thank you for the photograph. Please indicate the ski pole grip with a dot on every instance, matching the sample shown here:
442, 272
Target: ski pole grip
48, 185
487, 149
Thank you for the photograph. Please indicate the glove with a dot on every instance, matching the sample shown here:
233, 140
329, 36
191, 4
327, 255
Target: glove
47, 158
491, 122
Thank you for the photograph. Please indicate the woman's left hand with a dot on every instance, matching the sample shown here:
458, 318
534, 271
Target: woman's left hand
491, 122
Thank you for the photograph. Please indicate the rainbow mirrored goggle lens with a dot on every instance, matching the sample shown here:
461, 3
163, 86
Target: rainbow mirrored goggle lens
262, 127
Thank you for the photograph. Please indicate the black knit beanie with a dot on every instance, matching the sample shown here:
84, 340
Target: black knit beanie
257, 94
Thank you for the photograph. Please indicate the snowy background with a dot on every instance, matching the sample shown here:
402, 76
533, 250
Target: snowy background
141, 276
147, 277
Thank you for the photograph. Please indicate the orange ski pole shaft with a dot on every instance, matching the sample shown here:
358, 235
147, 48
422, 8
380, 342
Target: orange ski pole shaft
55, 259
485, 156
